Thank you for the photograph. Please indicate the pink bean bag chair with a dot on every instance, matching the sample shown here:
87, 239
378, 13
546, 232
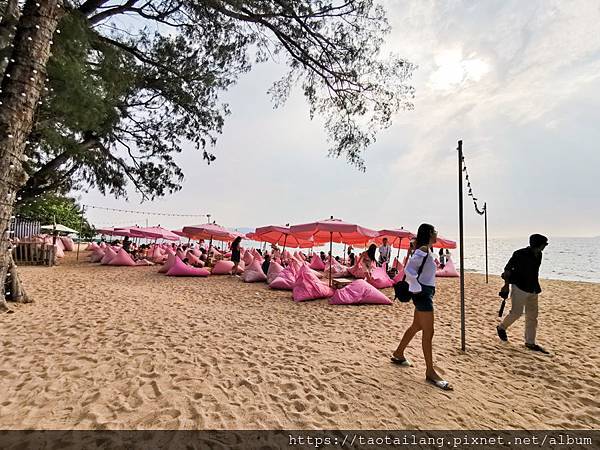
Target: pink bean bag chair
380, 278
357, 271
143, 262
180, 269
194, 260
59, 243
102, 245
222, 268
122, 258
196, 252
254, 273
274, 270
359, 292
316, 263
97, 256
285, 280
309, 287
397, 265
337, 270
167, 265
227, 255
248, 258
399, 275
180, 254
109, 254
68, 243
59, 252
91, 247
449, 270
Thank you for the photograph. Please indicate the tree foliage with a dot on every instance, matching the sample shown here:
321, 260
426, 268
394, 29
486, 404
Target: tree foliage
123, 101
63, 210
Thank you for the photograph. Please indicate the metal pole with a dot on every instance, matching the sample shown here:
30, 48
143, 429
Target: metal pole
486, 241
462, 247
330, 254
80, 227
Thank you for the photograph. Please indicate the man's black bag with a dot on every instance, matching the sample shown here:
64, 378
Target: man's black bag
401, 291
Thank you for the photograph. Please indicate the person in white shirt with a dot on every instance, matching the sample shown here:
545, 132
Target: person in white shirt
385, 252
420, 275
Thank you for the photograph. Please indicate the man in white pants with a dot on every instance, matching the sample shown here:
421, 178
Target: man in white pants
522, 274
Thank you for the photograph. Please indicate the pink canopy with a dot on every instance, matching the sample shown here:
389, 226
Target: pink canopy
157, 233
210, 231
395, 237
280, 235
440, 243
334, 230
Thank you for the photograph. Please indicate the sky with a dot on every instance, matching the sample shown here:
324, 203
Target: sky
517, 81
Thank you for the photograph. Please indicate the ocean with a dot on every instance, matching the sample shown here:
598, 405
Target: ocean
575, 259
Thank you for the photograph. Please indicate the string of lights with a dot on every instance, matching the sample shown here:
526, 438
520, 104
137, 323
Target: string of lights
146, 213
480, 211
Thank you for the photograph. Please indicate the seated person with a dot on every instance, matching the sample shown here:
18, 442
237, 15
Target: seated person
266, 263
323, 257
367, 260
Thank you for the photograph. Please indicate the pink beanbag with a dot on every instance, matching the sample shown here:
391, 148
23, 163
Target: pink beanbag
109, 254
380, 278
97, 255
180, 254
316, 263
274, 270
59, 243
309, 287
449, 270
68, 243
285, 280
359, 292
194, 260
357, 271
143, 262
248, 258
91, 247
337, 270
122, 258
180, 269
222, 268
399, 276
166, 266
254, 273
397, 265
59, 251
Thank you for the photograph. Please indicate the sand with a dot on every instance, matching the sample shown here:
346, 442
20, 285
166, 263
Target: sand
127, 348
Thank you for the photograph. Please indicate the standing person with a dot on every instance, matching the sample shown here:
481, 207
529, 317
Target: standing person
522, 275
420, 275
266, 263
236, 254
442, 258
385, 252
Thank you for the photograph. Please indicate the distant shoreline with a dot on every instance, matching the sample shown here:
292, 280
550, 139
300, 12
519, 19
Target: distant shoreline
541, 278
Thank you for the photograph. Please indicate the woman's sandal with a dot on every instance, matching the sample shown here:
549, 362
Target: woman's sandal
442, 384
401, 361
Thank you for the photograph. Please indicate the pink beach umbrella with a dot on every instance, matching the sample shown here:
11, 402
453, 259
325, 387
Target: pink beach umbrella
210, 231
333, 230
157, 232
280, 235
395, 237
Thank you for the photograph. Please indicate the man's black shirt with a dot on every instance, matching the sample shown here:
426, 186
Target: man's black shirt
524, 267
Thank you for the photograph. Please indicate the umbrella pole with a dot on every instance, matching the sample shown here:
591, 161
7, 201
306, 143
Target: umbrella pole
330, 255
344, 254
284, 242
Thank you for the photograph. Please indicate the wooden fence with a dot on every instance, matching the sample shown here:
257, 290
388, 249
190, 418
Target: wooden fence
34, 253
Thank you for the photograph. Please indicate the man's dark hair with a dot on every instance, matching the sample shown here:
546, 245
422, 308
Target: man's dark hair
537, 240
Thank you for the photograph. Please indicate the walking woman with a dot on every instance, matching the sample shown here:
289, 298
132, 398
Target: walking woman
420, 275
235, 254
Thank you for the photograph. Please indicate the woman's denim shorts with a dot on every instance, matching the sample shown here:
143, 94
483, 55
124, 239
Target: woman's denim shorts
424, 300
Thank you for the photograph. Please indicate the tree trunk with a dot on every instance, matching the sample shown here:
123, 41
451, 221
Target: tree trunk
22, 87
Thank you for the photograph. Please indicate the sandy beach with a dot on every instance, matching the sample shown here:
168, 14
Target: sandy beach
127, 348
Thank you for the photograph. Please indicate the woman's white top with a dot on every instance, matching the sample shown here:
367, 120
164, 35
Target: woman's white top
427, 276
